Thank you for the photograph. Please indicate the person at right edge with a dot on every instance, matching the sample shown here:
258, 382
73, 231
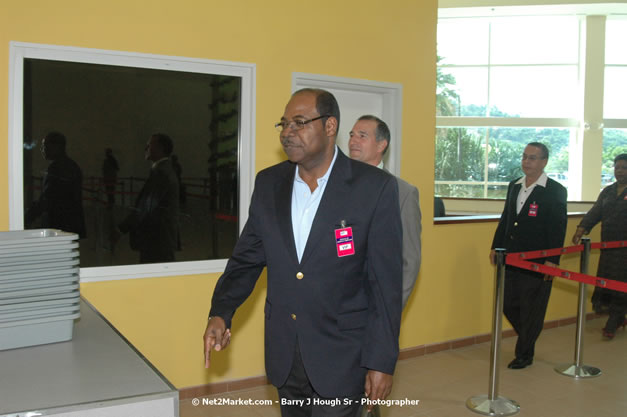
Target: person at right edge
534, 218
611, 210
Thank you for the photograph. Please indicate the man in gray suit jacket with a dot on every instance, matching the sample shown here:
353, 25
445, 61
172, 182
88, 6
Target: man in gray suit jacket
369, 140
329, 231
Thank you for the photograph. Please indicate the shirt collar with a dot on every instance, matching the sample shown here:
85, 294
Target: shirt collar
325, 177
159, 161
541, 181
380, 166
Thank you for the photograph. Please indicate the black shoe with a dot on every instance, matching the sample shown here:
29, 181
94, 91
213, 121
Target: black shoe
520, 363
608, 334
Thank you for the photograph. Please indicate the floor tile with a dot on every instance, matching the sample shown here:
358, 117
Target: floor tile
443, 381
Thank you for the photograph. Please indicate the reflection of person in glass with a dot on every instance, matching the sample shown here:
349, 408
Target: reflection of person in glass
611, 210
60, 205
153, 223
110, 170
178, 170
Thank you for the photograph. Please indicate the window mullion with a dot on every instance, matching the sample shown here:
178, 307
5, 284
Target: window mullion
591, 147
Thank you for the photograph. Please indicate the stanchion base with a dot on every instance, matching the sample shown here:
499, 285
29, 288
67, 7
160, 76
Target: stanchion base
500, 406
574, 371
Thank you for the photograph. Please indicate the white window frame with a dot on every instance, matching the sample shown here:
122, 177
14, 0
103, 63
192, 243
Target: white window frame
585, 151
246, 164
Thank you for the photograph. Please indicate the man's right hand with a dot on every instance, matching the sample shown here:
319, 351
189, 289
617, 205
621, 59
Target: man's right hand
577, 236
217, 337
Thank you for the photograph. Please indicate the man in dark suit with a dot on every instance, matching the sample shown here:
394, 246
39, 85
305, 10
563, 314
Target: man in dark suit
153, 221
329, 231
534, 218
369, 140
61, 202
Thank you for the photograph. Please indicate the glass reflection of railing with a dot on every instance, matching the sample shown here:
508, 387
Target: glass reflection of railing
125, 189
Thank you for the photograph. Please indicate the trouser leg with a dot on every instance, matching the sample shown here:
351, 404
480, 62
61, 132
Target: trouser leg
296, 391
601, 298
298, 398
618, 309
534, 299
511, 299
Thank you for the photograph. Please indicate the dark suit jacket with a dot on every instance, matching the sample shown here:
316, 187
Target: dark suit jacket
61, 202
153, 222
524, 232
344, 312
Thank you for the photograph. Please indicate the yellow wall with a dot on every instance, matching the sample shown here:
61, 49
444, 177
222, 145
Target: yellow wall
392, 41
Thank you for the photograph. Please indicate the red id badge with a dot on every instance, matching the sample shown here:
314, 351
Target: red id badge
344, 241
533, 210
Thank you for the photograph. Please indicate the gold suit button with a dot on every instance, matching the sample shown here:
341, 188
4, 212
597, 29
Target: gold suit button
300, 275
515, 223
293, 316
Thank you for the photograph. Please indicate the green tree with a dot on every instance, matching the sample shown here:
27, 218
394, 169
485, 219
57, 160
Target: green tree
458, 155
445, 96
614, 144
504, 160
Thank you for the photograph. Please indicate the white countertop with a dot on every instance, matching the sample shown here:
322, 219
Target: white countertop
96, 366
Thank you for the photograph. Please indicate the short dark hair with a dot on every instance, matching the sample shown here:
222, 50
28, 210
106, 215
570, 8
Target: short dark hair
326, 104
56, 139
544, 151
621, 157
382, 132
165, 141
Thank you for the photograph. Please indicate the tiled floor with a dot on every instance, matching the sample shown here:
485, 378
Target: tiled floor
444, 381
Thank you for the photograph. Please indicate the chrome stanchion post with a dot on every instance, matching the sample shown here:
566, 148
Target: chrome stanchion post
578, 369
492, 404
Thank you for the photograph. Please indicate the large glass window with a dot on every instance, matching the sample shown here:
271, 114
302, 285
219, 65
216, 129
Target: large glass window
468, 156
108, 105
614, 139
100, 107
614, 143
615, 69
510, 80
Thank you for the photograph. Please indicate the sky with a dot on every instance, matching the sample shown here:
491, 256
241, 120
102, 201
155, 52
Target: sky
542, 57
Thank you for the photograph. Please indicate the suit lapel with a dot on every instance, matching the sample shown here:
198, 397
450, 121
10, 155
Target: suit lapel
283, 202
330, 210
514, 200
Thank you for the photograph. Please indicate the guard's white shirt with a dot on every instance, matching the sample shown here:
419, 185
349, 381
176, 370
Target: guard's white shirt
525, 191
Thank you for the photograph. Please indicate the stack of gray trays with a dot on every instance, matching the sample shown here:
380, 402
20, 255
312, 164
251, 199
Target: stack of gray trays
39, 287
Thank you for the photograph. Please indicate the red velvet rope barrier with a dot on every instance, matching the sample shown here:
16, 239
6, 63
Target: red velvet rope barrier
520, 260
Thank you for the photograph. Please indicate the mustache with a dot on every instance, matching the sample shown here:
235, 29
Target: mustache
287, 142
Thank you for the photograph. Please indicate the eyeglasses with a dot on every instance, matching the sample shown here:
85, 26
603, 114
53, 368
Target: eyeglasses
295, 124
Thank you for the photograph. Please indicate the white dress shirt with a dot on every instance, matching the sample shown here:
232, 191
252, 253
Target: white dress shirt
526, 191
305, 205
